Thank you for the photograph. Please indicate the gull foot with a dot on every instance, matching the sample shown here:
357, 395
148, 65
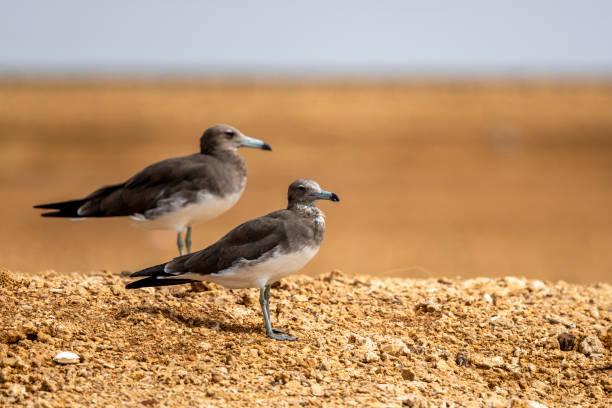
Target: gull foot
281, 337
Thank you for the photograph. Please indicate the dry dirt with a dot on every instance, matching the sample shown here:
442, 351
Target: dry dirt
363, 342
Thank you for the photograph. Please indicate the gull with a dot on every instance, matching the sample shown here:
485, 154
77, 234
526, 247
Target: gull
256, 253
175, 193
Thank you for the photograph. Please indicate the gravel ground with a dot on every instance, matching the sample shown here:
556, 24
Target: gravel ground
362, 342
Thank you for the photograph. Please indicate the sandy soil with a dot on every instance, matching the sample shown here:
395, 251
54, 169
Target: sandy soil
363, 342
436, 179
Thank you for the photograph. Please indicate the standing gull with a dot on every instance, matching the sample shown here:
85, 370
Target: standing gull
254, 254
174, 193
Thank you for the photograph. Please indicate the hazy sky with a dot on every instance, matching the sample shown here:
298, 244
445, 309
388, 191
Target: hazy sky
361, 37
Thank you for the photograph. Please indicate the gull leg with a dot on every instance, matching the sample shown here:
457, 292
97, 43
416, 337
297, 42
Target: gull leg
179, 242
264, 294
195, 286
267, 298
188, 239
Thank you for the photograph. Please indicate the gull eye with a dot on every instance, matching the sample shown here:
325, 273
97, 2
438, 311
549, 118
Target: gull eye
230, 133
302, 188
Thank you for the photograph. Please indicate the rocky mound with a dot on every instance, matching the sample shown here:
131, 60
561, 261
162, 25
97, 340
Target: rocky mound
363, 342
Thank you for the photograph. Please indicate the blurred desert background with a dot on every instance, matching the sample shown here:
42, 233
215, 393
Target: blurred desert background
436, 177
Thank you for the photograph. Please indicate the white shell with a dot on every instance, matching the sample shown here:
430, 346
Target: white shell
66, 357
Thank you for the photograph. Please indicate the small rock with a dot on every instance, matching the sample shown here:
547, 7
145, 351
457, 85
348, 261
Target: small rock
591, 346
15, 390
335, 274
559, 320
253, 352
249, 299
514, 284
594, 312
395, 348
14, 362
48, 386
566, 341
216, 378
501, 321
357, 339
526, 404
56, 290
316, 390
442, 366
66, 357
487, 298
607, 338
413, 401
597, 392
42, 403
13, 336
536, 286
495, 401
426, 307
408, 374
370, 357
461, 359
487, 363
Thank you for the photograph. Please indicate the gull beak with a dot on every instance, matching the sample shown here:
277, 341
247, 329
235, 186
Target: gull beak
254, 143
326, 195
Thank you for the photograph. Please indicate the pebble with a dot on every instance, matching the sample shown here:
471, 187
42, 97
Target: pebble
14, 336
316, 390
15, 390
426, 307
501, 321
408, 374
526, 404
559, 320
414, 401
536, 286
514, 284
495, 401
591, 346
66, 357
442, 366
462, 359
395, 348
370, 357
487, 363
566, 341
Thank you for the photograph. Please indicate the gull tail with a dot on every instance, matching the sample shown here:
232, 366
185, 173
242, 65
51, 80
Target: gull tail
155, 276
63, 209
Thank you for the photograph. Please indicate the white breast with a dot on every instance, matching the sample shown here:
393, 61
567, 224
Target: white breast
179, 215
257, 274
